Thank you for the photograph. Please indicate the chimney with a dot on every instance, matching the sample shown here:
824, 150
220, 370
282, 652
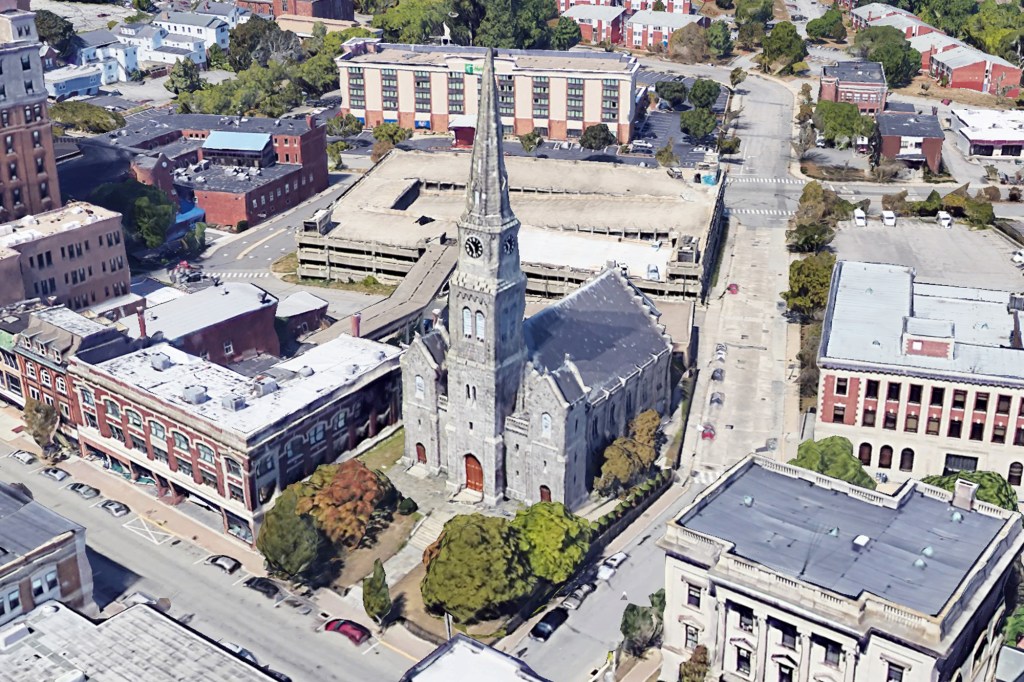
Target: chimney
964, 493
357, 320
141, 313
311, 121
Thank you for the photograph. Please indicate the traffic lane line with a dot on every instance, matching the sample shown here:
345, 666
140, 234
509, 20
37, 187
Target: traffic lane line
266, 239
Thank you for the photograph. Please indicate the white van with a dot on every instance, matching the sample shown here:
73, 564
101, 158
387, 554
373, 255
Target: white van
860, 219
888, 218
640, 144
944, 219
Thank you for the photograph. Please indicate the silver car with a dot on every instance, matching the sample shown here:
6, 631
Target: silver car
115, 508
576, 597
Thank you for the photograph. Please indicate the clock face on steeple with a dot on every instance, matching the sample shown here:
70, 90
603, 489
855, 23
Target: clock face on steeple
474, 248
510, 244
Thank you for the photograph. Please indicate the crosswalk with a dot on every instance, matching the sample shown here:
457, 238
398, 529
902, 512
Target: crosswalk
761, 211
765, 181
240, 274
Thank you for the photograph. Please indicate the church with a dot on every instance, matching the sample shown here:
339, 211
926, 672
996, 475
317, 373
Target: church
523, 408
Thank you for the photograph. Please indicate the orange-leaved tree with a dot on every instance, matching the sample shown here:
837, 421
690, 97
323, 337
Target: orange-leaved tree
342, 498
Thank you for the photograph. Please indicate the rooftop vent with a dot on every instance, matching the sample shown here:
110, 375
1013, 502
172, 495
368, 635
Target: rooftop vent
12, 635
956, 517
834, 532
860, 542
305, 371
195, 395
964, 493
928, 551
160, 362
265, 386
748, 501
920, 563
233, 402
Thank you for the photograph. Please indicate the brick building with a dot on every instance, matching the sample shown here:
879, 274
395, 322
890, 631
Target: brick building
43, 559
598, 23
648, 28
986, 132
929, 382
907, 24
671, 6
916, 139
970, 69
229, 440
860, 83
28, 176
864, 15
558, 94
73, 255
931, 43
341, 10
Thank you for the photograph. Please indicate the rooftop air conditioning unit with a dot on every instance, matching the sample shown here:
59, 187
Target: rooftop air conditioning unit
265, 386
233, 402
160, 362
194, 395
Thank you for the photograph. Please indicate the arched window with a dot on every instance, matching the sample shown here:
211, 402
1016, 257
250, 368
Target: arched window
420, 387
885, 457
545, 425
907, 460
1016, 470
467, 323
479, 325
865, 454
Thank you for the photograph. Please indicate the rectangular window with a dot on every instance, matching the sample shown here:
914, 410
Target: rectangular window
894, 673
691, 637
911, 423
890, 421
831, 654
236, 493
138, 443
1003, 404
999, 433
842, 386
838, 414
785, 673
788, 639
184, 466
892, 392
229, 348
116, 433
51, 581
208, 478
742, 661
932, 429
746, 619
37, 588
956, 428
156, 430
915, 394
872, 389
180, 441
205, 453
981, 402
959, 400
977, 431
938, 395
693, 596
869, 418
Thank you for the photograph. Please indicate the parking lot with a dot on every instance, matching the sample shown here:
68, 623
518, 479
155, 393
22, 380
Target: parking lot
659, 126
938, 255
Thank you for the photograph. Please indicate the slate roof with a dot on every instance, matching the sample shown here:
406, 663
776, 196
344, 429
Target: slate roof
26, 525
434, 341
908, 125
605, 327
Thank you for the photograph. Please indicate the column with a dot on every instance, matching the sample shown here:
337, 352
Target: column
850, 660
720, 645
804, 673
761, 655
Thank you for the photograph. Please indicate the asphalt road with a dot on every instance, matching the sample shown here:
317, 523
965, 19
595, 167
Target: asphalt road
128, 555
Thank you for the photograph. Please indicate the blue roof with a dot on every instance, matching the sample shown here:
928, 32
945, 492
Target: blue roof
245, 142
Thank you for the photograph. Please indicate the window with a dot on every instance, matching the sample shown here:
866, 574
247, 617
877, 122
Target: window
479, 325
13, 600
746, 619
87, 397
894, 673
959, 400
156, 430
113, 411
420, 387
999, 433
831, 654
956, 428
1016, 472
51, 581
864, 454
30, 369
869, 418
907, 460
236, 493
785, 673
134, 418
981, 402
742, 661
872, 389
316, 434
890, 421
116, 433
61, 386
184, 466
467, 323
938, 395
233, 467
693, 596
977, 431
205, 453
838, 414
892, 392
885, 457
691, 637
545, 425
932, 429
788, 639
915, 394
137, 443
229, 349
910, 425
180, 441
842, 386
957, 463
1003, 404
208, 478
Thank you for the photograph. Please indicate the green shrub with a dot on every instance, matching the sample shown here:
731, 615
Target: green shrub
407, 506
242, 225
86, 117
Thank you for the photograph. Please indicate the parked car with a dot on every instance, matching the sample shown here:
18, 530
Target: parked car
115, 508
576, 597
56, 473
888, 218
944, 219
356, 633
23, 457
718, 375
707, 432
86, 491
717, 398
608, 567
280, 677
225, 563
547, 625
720, 350
1018, 256
264, 586
241, 652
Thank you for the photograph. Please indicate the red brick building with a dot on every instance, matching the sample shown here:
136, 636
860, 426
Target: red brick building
860, 83
319, 9
671, 6
868, 14
598, 23
970, 69
907, 24
227, 440
932, 43
915, 139
648, 28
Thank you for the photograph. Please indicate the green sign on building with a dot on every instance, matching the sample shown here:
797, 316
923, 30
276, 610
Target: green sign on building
469, 68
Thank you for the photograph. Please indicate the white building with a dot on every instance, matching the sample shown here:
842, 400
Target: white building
785, 575
116, 59
984, 132
464, 658
210, 29
156, 45
73, 81
230, 13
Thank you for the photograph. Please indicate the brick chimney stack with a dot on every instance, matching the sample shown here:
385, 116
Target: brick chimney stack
357, 320
141, 312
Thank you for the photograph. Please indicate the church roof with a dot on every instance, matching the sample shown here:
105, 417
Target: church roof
607, 328
436, 346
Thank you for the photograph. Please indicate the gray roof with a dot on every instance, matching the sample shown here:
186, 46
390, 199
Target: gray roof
788, 528
463, 659
221, 9
1011, 664
600, 12
188, 19
905, 107
436, 345
93, 39
223, 179
856, 72
605, 328
141, 130
26, 525
298, 303
190, 314
908, 125
649, 17
137, 644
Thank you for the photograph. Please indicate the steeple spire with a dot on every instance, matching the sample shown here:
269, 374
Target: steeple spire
487, 191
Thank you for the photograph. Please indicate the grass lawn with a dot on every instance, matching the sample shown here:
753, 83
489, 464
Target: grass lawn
386, 454
286, 266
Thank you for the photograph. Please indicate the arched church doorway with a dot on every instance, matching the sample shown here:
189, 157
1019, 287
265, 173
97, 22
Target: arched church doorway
545, 494
421, 453
474, 474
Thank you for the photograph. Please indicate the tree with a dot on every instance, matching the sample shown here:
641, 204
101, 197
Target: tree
278, 46
318, 74
412, 21
41, 420
344, 126
750, 36
841, 122
810, 340
314, 44
659, 6
553, 540
380, 150
809, 281
567, 34
833, 457
737, 76
697, 123
689, 44
334, 152
696, 668
289, 542
829, 26
597, 137
522, 25
753, 12
729, 145
153, 217
704, 93
183, 77
342, 498
55, 30
376, 597
630, 458
810, 237
478, 570
673, 92
642, 626
530, 140
86, 117
217, 58
888, 45
992, 487
719, 39
243, 41
267, 91
666, 156
146, 211
391, 132
783, 48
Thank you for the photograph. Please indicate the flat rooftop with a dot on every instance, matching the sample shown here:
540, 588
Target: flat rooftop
219, 178
871, 304
805, 531
137, 644
185, 315
909, 125
69, 321
448, 56
26, 525
236, 141
70, 217
463, 659
856, 72
299, 381
986, 124
146, 127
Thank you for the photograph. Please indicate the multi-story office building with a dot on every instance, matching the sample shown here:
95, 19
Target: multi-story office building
858, 83
922, 378
74, 255
28, 172
558, 94
785, 575
42, 557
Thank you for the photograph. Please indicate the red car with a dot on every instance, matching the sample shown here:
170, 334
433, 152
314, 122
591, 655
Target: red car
707, 432
733, 288
355, 632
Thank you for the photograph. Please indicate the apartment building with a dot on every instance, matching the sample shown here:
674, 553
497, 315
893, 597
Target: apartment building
157, 45
423, 87
915, 139
785, 574
907, 24
228, 12
73, 255
118, 61
42, 558
929, 382
212, 30
930, 43
331, 10
859, 83
671, 6
647, 28
986, 132
73, 81
28, 171
229, 439
971, 69
598, 23
861, 16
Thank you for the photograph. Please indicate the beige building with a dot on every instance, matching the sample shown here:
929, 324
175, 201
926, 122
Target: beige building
73, 254
922, 378
786, 575
28, 171
424, 87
